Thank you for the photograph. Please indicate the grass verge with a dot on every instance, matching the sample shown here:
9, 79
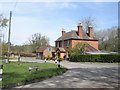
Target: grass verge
16, 73
14, 58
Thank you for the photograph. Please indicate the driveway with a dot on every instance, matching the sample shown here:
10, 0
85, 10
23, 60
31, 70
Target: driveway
81, 75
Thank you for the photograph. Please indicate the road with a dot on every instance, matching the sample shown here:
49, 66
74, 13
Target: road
80, 75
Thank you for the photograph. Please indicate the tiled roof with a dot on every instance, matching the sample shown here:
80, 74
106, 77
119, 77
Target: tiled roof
61, 49
74, 35
89, 48
41, 49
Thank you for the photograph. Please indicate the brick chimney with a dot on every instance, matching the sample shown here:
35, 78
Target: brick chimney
63, 31
90, 31
80, 30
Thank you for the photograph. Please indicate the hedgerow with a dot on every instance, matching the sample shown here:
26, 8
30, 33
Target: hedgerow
109, 58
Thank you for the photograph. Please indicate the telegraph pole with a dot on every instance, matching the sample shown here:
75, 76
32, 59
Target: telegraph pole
0, 44
9, 36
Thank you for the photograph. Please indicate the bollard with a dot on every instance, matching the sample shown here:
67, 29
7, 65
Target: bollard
58, 63
55, 61
1, 68
45, 60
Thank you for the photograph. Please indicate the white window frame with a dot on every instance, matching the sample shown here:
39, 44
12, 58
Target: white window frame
49, 49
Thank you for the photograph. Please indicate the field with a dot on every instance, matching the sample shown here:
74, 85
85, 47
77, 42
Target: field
16, 73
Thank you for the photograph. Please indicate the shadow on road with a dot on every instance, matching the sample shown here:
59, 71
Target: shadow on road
81, 78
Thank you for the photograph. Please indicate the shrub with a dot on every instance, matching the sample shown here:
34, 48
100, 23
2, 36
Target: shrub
23, 54
48, 57
110, 58
78, 48
62, 59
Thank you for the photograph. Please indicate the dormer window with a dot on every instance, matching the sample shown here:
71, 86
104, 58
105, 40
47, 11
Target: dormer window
49, 49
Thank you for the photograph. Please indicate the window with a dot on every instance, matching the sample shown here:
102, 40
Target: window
38, 54
68, 42
49, 49
57, 44
62, 43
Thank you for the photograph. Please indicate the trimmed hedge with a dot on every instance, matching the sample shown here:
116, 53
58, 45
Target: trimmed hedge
109, 58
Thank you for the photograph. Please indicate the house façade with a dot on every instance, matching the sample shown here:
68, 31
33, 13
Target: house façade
70, 39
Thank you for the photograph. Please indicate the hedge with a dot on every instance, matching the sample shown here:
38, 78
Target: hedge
23, 54
109, 58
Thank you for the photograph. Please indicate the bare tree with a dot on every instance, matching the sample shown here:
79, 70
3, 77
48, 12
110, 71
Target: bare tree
88, 21
101, 35
106, 34
108, 39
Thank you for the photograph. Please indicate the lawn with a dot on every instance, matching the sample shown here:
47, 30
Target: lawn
15, 73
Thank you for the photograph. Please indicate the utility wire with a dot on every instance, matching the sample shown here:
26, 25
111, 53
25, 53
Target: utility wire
14, 7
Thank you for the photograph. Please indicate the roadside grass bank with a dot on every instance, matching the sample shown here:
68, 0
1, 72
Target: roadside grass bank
17, 73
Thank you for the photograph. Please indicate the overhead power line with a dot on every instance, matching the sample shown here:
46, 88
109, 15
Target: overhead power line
14, 7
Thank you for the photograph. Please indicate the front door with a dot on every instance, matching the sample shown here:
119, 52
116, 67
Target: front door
41, 56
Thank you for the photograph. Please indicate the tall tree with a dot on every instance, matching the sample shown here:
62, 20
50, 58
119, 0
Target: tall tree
88, 21
108, 39
36, 41
3, 21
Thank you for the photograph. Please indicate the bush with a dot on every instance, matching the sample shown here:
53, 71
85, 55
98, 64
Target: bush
48, 57
110, 58
23, 54
78, 48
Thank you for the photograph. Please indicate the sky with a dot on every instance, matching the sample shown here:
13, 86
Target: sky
48, 18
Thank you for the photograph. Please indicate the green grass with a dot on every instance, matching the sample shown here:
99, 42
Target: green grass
17, 72
0, 62
28, 57
2, 58
0, 85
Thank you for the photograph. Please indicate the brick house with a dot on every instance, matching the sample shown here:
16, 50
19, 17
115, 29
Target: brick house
70, 39
45, 52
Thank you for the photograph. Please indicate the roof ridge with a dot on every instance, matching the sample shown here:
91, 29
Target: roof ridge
73, 34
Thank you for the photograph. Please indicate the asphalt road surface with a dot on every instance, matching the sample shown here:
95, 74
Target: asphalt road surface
80, 75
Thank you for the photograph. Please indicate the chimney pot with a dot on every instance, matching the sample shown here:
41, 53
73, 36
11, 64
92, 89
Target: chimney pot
80, 24
63, 31
90, 31
80, 30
